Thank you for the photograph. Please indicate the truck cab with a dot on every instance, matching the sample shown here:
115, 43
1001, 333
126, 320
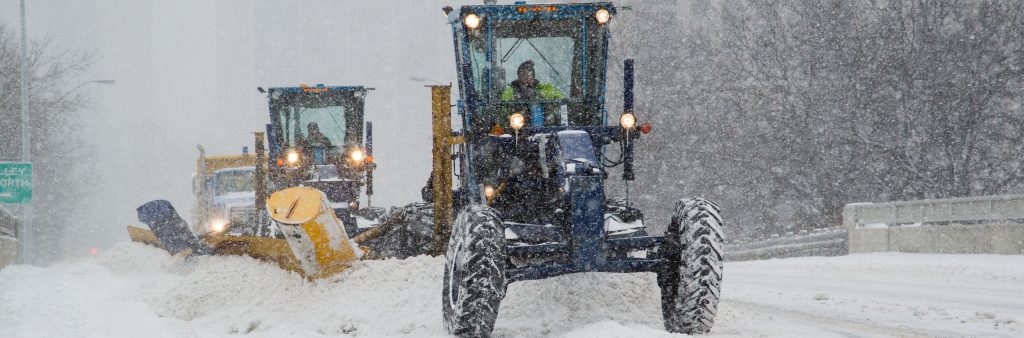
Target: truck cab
224, 193
316, 139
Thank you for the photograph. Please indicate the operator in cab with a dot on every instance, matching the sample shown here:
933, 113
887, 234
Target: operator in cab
315, 138
317, 145
527, 87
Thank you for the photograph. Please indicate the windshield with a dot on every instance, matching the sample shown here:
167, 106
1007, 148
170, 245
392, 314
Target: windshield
516, 62
326, 119
234, 181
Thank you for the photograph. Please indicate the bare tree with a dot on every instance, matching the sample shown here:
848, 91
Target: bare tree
57, 143
788, 110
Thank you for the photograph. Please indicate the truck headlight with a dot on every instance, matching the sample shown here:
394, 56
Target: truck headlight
357, 155
292, 157
516, 121
218, 225
627, 120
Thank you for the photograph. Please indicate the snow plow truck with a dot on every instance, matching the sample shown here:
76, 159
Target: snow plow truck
532, 155
306, 184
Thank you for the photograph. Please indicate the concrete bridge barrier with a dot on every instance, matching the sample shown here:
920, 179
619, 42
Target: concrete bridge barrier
987, 224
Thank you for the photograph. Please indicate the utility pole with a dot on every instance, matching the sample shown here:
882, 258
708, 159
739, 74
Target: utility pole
26, 141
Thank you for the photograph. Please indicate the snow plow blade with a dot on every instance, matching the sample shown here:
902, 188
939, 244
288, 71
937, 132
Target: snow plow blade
168, 228
262, 248
316, 236
161, 215
143, 235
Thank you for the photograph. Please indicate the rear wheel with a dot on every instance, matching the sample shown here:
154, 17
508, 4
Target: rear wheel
692, 279
474, 274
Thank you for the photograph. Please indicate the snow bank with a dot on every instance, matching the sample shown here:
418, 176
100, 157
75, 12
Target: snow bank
134, 290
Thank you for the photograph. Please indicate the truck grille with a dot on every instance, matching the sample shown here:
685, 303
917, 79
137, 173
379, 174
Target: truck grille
242, 214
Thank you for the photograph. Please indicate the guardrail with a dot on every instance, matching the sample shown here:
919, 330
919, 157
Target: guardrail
8, 237
8, 224
826, 242
984, 209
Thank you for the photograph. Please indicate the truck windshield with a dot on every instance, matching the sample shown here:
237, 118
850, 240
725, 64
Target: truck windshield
556, 63
234, 181
326, 120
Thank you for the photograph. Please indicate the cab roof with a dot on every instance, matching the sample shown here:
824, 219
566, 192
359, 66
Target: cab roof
318, 88
529, 11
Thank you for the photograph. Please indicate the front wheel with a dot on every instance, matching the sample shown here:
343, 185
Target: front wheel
474, 273
692, 278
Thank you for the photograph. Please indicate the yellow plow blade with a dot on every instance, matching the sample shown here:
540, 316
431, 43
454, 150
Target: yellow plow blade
143, 235
316, 236
315, 245
261, 248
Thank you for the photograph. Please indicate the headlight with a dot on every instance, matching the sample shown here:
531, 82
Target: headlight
218, 225
293, 157
472, 21
602, 16
488, 191
357, 155
516, 121
627, 120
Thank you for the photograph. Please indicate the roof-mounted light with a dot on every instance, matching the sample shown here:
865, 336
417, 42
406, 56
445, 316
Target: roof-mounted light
602, 16
471, 20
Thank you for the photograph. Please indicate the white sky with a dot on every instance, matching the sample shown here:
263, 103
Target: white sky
187, 73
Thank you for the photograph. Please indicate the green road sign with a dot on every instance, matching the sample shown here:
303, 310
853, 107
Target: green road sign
15, 182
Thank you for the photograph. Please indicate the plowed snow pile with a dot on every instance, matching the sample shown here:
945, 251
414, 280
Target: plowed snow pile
138, 291
134, 290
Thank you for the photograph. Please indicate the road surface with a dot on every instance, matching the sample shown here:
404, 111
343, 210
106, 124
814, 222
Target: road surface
133, 290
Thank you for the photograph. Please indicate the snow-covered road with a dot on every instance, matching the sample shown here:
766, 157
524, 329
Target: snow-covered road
135, 291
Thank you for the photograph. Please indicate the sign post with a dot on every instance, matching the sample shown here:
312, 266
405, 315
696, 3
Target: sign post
15, 183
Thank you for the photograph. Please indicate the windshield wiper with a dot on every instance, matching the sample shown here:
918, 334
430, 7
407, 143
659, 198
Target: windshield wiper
542, 57
519, 41
515, 46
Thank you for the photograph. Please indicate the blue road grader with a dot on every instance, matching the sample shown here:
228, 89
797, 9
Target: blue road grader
518, 190
317, 163
316, 139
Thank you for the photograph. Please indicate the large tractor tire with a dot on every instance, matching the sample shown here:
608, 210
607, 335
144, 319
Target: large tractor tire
474, 273
691, 281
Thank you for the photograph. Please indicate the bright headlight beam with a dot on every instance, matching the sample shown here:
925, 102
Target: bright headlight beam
627, 120
602, 16
218, 225
357, 155
516, 121
293, 157
472, 21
